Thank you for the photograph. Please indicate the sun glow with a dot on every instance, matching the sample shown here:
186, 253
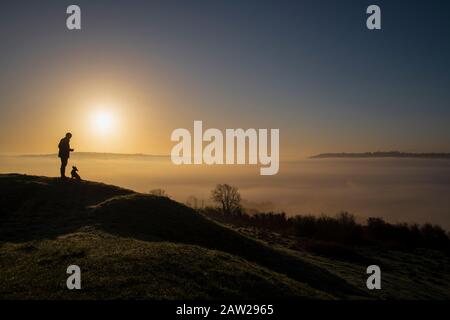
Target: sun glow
103, 122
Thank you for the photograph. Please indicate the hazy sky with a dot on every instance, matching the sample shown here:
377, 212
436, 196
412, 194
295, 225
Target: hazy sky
309, 68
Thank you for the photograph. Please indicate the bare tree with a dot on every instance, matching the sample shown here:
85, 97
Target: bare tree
228, 197
193, 202
159, 193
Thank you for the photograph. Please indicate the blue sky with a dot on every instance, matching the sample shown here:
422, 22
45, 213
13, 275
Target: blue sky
310, 68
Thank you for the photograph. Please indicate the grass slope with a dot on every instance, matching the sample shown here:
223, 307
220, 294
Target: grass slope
406, 274
132, 245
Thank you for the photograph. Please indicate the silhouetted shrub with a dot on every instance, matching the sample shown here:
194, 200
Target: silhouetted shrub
407, 236
342, 228
434, 236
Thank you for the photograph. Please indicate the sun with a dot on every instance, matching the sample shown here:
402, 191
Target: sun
103, 121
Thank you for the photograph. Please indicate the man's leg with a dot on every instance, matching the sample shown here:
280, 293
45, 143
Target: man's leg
63, 167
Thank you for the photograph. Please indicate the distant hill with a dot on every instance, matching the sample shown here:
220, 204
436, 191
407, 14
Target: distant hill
379, 154
98, 155
131, 245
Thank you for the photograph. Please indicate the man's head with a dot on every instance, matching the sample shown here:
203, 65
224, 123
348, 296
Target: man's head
68, 135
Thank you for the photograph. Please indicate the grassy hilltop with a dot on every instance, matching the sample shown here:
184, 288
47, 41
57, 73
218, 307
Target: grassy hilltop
137, 246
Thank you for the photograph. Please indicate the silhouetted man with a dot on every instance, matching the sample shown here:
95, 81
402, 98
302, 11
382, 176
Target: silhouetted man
64, 153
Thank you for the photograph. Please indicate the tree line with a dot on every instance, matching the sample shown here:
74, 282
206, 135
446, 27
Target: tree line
341, 228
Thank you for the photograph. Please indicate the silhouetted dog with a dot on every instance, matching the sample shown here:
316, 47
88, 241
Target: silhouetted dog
74, 173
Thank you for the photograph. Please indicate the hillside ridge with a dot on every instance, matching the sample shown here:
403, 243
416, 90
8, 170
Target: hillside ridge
43, 212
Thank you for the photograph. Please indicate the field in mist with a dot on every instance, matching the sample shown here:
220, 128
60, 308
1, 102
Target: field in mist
399, 190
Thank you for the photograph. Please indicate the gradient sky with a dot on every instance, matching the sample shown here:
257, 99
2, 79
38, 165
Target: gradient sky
309, 68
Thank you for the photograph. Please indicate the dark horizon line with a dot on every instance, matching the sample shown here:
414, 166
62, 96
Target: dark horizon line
383, 154
369, 154
88, 153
